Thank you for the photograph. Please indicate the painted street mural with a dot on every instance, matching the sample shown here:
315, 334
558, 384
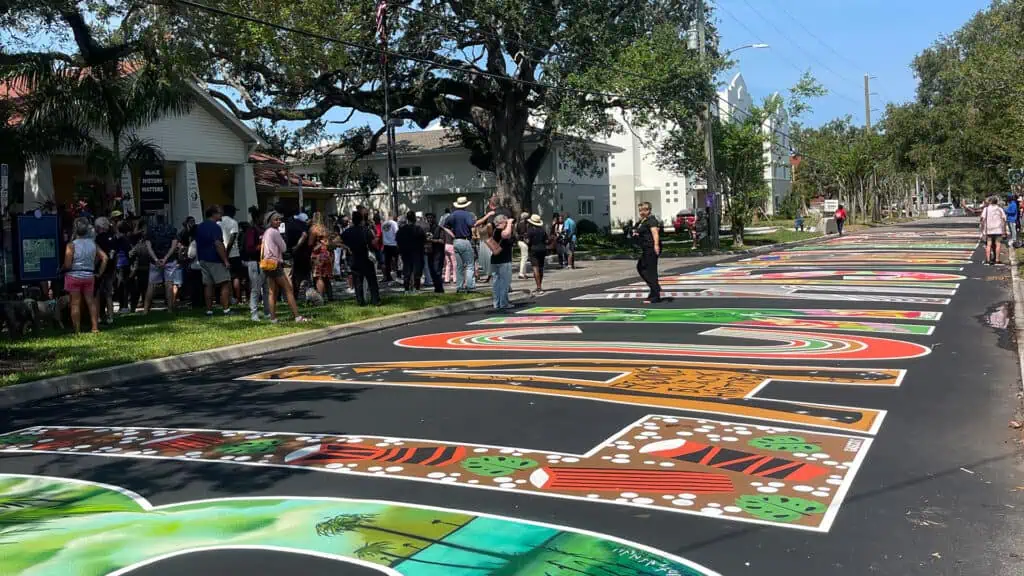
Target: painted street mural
788, 345
889, 244
775, 292
723, 438
806, 319
786, 258
864, 275
731, 390
839, 266
788, 286
748, 473
61, 527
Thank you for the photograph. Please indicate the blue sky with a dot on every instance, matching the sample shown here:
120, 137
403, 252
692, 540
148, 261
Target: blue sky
877, 37
850, 38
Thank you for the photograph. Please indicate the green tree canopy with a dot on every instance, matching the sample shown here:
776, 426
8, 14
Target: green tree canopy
511, 76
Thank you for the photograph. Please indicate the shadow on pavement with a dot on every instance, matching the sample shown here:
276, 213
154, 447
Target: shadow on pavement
200, 398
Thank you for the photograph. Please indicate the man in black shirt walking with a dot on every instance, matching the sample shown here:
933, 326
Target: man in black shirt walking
648, 235
411, 240
356, 240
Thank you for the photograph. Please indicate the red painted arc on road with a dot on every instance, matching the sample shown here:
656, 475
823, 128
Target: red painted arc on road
789, 345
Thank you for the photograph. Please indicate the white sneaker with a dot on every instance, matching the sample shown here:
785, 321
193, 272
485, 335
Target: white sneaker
255, 317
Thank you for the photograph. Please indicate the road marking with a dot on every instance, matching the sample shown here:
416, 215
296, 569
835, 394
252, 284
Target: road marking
729, 470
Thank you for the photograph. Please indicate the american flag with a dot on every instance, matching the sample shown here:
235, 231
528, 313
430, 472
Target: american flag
382, 14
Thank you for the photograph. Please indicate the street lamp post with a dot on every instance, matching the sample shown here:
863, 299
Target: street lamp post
745, 46
714, 202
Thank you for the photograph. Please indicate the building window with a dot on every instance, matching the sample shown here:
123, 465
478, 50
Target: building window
613, 186
586, 207
613, 194
613, 164
406, 171
614, 203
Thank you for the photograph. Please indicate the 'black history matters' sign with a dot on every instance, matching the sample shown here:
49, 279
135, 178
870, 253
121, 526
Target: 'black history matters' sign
153, 190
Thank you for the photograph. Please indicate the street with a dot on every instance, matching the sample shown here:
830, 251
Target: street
833, 408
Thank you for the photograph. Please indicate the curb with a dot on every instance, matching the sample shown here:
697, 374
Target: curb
1018, 316
112, 375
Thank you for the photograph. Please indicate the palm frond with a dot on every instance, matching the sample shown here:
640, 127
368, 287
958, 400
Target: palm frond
137, 150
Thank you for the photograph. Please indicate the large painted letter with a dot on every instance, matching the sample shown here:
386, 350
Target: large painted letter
726, 389
73, 528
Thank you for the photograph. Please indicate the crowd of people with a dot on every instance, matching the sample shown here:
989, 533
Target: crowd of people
221, 262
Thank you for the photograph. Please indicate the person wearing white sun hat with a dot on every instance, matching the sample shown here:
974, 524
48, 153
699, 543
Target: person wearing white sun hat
539, 243
460, 224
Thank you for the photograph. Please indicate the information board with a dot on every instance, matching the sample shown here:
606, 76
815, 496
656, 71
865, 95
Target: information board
36, 248
831, 206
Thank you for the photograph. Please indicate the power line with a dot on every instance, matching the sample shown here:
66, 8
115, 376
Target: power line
787, 37
810, 33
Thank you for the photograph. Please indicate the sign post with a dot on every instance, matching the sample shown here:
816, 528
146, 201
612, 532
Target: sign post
4, 199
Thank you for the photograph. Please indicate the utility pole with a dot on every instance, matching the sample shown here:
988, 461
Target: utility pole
867, 104
712, 203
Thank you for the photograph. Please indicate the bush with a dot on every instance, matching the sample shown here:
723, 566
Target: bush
585, 226
790, 206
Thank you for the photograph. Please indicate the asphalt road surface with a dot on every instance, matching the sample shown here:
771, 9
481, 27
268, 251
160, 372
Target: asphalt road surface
832, 409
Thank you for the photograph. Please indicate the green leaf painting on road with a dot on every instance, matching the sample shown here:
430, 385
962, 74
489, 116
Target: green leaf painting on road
779, 508
62, 527
784, 444
256, 446
497, 465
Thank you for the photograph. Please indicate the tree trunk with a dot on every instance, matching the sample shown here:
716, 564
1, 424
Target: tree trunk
505, 135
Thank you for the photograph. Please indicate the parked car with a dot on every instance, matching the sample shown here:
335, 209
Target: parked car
684, 220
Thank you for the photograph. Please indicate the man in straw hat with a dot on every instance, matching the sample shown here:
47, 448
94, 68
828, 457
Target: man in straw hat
538, 243
460, 224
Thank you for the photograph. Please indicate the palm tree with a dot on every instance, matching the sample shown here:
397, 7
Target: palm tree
116, 99
374, 550
343, 523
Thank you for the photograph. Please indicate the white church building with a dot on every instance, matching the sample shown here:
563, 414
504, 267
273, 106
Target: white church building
635, 176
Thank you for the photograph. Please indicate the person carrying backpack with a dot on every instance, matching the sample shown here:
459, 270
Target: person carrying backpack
250, 253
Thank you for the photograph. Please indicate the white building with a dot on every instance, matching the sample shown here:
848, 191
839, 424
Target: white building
206, 150
434, 169
733, 105
636, 176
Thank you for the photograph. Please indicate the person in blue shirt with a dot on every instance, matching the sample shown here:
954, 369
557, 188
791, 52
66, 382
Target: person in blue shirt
1012, 214
569, 230
213, 260
460, 224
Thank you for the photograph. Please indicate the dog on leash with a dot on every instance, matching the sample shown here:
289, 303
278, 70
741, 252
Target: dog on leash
19, 315
53, 311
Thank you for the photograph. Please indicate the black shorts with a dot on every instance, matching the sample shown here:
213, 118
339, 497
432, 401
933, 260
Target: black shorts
390, 251
537, 260
237, 268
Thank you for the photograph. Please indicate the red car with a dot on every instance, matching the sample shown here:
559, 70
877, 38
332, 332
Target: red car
684, 220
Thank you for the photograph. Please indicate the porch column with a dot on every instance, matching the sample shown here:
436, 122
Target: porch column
185, 200
245, 188
38, 182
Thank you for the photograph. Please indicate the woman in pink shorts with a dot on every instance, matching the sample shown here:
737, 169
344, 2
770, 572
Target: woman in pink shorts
80, 258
